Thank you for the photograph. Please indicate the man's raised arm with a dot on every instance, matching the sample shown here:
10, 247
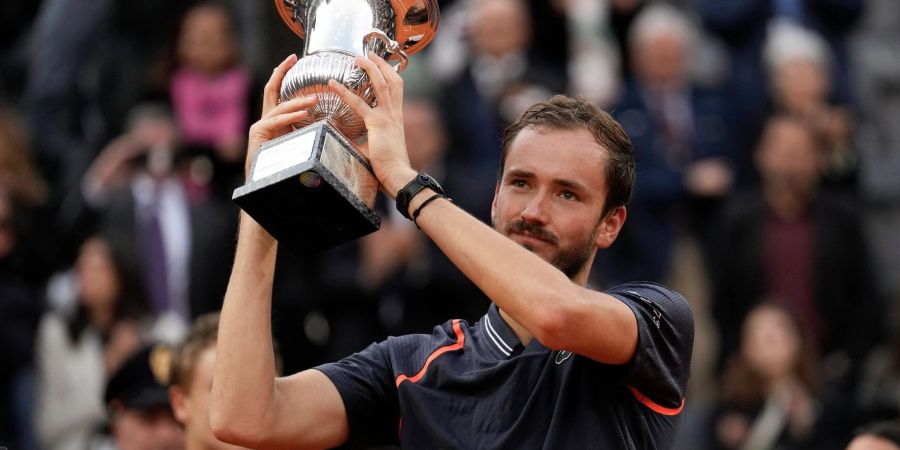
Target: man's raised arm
249, 406
542, 301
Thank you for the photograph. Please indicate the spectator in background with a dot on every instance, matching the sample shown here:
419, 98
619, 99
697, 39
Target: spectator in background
191, 384
769, 387
791, 241
500, 80
107, 56
77, 352
209, 87
679, 134
594, 64
138, 403
798, 62
137, 187
743, 26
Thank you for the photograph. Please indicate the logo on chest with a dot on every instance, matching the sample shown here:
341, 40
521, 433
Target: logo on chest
562, 355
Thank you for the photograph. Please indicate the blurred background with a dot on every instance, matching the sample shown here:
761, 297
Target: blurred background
768, 193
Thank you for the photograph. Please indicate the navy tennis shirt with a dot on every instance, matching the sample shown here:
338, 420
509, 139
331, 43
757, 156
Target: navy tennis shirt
477, 387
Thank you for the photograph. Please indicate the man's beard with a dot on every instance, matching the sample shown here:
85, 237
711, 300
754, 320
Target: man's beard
570, 260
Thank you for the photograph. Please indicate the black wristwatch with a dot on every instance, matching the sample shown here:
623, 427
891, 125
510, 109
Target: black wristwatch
421, 181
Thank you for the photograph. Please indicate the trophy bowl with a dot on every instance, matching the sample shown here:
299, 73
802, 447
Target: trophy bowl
312, 189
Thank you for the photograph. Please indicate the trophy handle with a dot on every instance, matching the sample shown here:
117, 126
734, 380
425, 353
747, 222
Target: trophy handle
391, 45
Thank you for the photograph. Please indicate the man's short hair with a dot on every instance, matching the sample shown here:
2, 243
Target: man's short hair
203, 335
567, 113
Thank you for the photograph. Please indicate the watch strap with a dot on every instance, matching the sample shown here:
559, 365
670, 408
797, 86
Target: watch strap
405, 195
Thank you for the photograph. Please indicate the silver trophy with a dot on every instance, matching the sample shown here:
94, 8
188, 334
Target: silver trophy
311, 188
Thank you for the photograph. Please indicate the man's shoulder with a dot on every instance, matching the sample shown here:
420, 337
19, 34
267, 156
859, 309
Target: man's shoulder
657, 299
647, 291
418, 346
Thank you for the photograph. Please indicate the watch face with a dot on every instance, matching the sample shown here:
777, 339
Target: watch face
427, 181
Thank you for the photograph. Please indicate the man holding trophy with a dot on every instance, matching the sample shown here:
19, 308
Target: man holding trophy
552, 364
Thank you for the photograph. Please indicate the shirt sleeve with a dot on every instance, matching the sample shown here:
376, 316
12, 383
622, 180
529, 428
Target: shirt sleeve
659, 372
365, 382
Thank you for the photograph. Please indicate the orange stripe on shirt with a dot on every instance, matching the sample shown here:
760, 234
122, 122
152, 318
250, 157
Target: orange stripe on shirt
655, 406
460, 341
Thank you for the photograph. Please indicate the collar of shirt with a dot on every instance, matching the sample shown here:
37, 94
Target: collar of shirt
499, 337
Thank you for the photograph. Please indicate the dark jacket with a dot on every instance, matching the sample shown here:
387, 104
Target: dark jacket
845, 290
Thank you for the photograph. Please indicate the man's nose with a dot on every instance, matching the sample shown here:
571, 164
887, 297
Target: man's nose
536, 210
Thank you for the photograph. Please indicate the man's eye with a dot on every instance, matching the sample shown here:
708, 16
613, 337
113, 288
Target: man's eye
569, 195
519, 183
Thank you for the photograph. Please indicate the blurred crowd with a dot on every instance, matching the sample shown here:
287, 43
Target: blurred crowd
768, 193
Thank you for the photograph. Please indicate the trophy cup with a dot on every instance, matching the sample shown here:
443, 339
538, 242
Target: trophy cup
311, 189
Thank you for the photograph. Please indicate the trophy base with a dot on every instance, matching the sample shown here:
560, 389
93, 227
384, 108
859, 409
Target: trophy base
311, 190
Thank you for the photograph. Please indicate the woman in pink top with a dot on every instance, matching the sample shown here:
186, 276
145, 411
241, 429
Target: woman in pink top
209, 86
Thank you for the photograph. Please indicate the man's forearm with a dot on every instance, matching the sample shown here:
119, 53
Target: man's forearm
243, 390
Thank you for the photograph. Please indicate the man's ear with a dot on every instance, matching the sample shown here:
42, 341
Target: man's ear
608, 229
179, 401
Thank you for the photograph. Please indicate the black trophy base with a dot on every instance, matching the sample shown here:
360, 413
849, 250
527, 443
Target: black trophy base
311, 190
